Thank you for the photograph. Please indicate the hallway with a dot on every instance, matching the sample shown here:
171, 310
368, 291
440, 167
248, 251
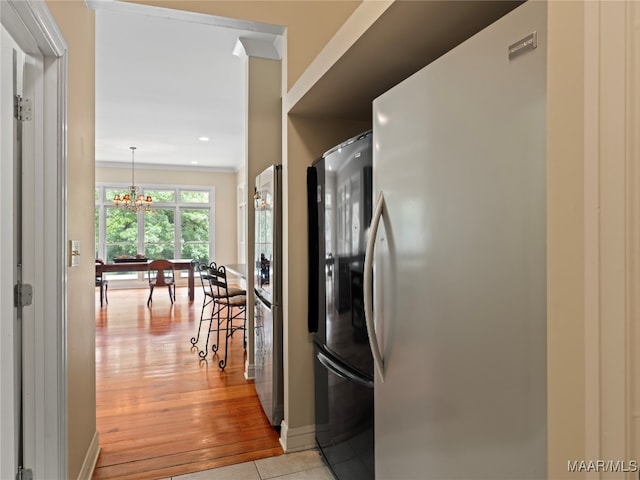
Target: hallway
161, 412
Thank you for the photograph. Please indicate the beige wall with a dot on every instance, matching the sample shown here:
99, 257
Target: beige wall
264, 148
77, 25
241, 181
225, 241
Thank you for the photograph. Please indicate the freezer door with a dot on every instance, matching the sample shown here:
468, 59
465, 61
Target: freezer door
459, 271
344, 417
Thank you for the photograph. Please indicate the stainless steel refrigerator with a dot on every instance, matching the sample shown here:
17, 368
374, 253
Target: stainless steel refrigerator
339, 205
457, 261
268, 293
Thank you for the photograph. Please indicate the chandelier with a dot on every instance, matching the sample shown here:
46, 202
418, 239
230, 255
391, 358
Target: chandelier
133, 200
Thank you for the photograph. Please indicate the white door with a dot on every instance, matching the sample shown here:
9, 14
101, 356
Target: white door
12, 370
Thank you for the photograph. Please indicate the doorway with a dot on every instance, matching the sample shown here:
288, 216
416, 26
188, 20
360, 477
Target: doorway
161, 168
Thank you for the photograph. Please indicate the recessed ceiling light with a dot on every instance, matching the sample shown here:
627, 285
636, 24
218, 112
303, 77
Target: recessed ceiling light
194, 162
203, 139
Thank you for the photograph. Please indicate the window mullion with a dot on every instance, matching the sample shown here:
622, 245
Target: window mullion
140, 243
102, 232
178, 231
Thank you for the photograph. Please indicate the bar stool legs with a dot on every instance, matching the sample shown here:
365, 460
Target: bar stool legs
207, 301
230, 329
227, 304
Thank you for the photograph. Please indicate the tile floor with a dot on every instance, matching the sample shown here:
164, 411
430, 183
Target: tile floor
306, 465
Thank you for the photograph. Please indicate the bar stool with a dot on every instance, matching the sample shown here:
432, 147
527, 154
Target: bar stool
210, 295
229, 307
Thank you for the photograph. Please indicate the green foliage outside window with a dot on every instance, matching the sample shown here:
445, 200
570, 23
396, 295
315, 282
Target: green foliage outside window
162, 196
195, 225
195, 234
196, 251
122, 226
159, 233
121, 233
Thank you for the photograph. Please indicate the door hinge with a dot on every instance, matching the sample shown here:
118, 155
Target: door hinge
22, 295
24, 474
22, 108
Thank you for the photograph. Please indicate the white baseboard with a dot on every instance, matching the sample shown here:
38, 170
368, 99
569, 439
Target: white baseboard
297, 439
91, 458
249, 371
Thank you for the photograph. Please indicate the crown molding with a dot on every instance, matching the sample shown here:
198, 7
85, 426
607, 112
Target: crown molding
256, 47
213, 20
155, 166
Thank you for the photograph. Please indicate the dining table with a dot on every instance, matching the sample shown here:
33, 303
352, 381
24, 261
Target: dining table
143, 265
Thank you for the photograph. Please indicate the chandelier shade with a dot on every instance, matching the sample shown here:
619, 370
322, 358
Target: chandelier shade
133, 200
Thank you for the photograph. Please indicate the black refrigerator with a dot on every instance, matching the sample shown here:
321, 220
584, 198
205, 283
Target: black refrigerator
339, 199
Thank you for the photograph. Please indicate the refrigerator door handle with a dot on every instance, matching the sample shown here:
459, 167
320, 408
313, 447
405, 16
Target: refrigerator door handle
313, 250
335, 368
378, 361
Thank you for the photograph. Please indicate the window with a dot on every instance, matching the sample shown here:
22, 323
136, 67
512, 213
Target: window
180, 224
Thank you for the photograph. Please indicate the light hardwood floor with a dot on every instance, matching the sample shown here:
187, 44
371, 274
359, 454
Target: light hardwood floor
160, 411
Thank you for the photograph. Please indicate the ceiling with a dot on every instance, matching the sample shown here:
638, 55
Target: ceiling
165, 81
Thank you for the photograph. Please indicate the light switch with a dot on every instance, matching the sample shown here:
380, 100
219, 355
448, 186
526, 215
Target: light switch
74, 252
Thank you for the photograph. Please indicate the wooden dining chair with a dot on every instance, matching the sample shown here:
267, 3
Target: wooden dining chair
102, 283
161, 273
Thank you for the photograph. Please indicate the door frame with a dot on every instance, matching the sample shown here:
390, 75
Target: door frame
31, 24
612, 232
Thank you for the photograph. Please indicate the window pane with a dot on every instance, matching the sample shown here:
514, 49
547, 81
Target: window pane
122, 226
197, 251
97, 194
159, 233
195, 225
195, 234
159, 250
194, 197
162, 196
122, 233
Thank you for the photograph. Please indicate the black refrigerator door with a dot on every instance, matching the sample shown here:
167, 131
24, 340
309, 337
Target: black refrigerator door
345, 208
344, 418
